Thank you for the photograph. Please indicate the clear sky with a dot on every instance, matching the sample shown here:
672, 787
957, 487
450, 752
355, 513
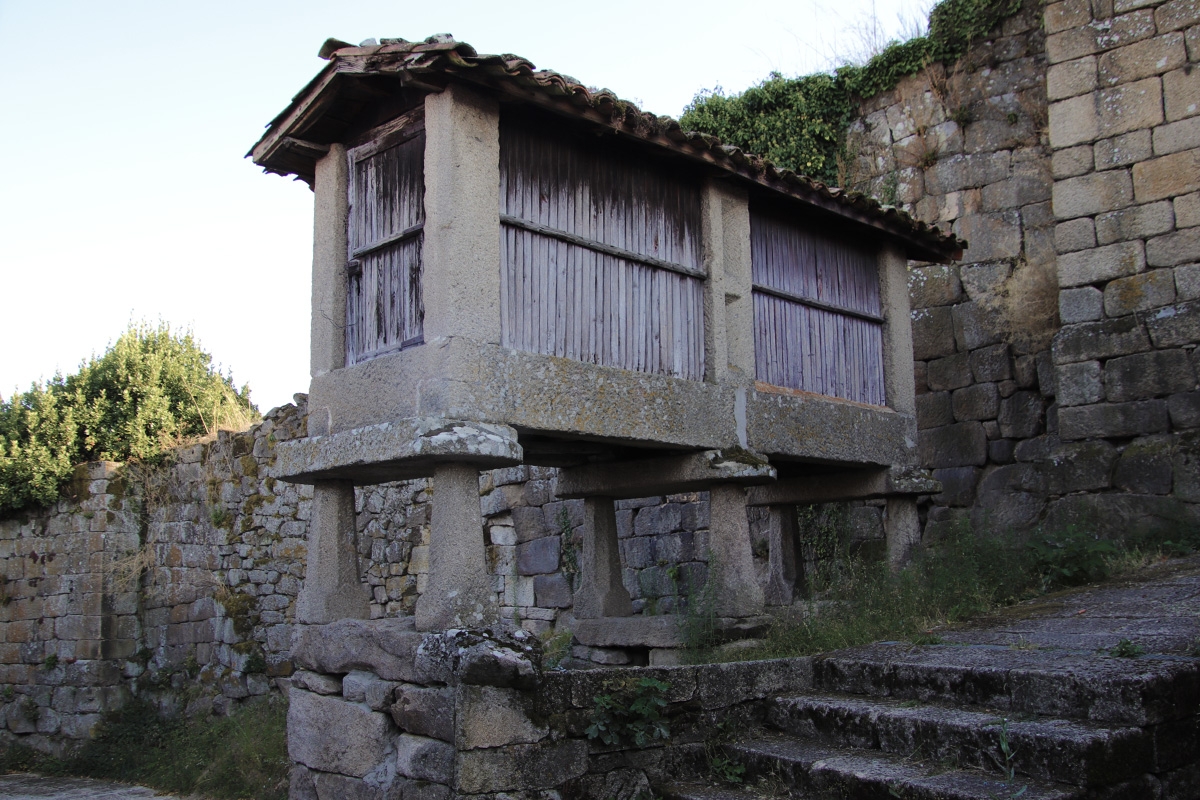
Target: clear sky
123, 191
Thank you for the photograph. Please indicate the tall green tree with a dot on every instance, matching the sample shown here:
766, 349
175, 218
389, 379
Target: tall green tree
153, 388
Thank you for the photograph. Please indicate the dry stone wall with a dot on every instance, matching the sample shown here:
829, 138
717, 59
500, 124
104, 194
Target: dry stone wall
458, 713
179, 582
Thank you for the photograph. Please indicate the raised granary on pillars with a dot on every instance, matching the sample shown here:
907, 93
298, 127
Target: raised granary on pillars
511, 268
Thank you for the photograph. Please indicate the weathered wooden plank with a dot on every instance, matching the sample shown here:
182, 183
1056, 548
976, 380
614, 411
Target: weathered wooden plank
814, 350
818, 315
613, 246
806, 301
385, 227
567, 278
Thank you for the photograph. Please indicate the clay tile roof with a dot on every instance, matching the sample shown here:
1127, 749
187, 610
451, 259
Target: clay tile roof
289, 148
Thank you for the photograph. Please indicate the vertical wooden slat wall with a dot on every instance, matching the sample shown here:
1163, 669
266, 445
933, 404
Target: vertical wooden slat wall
601, 257
387, 210
817, 315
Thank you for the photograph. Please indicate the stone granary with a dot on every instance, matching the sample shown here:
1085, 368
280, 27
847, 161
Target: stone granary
511, 268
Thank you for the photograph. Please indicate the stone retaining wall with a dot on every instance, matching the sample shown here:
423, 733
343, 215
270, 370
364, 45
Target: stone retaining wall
394, 712
965, 146
1124, 134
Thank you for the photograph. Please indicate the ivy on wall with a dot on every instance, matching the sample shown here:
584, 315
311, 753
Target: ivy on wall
801, 123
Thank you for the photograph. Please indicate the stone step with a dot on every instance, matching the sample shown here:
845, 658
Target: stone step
1063, 751
1061, 683
815, 770
704, 791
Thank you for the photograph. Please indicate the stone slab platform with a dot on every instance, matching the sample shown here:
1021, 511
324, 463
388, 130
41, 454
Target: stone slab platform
662, 631
400, 450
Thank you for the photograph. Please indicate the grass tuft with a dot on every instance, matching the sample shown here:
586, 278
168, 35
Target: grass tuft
243, 755
854, 601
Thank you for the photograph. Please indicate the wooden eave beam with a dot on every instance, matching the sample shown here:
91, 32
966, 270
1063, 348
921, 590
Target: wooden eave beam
316, 102
322, 95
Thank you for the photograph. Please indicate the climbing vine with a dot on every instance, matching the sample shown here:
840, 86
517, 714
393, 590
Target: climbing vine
801, 123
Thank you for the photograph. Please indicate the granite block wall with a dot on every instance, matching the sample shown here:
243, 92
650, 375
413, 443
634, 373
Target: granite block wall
1124, 137
1055, 364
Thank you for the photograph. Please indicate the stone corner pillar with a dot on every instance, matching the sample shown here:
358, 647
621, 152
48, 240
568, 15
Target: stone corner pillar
460, 284
327, 341
459, 591
899, 386
728, 302
332, 588
731, 559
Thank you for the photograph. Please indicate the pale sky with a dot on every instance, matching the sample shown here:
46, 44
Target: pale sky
123, 191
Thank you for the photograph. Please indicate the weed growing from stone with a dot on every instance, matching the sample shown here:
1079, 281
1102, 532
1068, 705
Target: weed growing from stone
570, 549
631, 714
926, 638
1005, 762
556, 645
725, 770
1126, 649
857, 601
243, 755
721, 768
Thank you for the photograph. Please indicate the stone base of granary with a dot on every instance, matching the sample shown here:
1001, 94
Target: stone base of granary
380, 710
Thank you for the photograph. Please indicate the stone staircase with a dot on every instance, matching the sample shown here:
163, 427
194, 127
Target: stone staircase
952, 722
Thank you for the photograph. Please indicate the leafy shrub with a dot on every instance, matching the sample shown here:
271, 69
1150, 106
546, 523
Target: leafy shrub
801, 123
631, 714
152, 388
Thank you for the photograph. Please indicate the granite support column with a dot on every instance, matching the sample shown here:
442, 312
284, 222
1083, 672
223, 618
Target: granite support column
902, 527
332, 589
601, 592
737, 592
459, 592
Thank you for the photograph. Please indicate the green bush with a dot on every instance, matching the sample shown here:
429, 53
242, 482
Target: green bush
1071, 558
153, 388
801, 123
